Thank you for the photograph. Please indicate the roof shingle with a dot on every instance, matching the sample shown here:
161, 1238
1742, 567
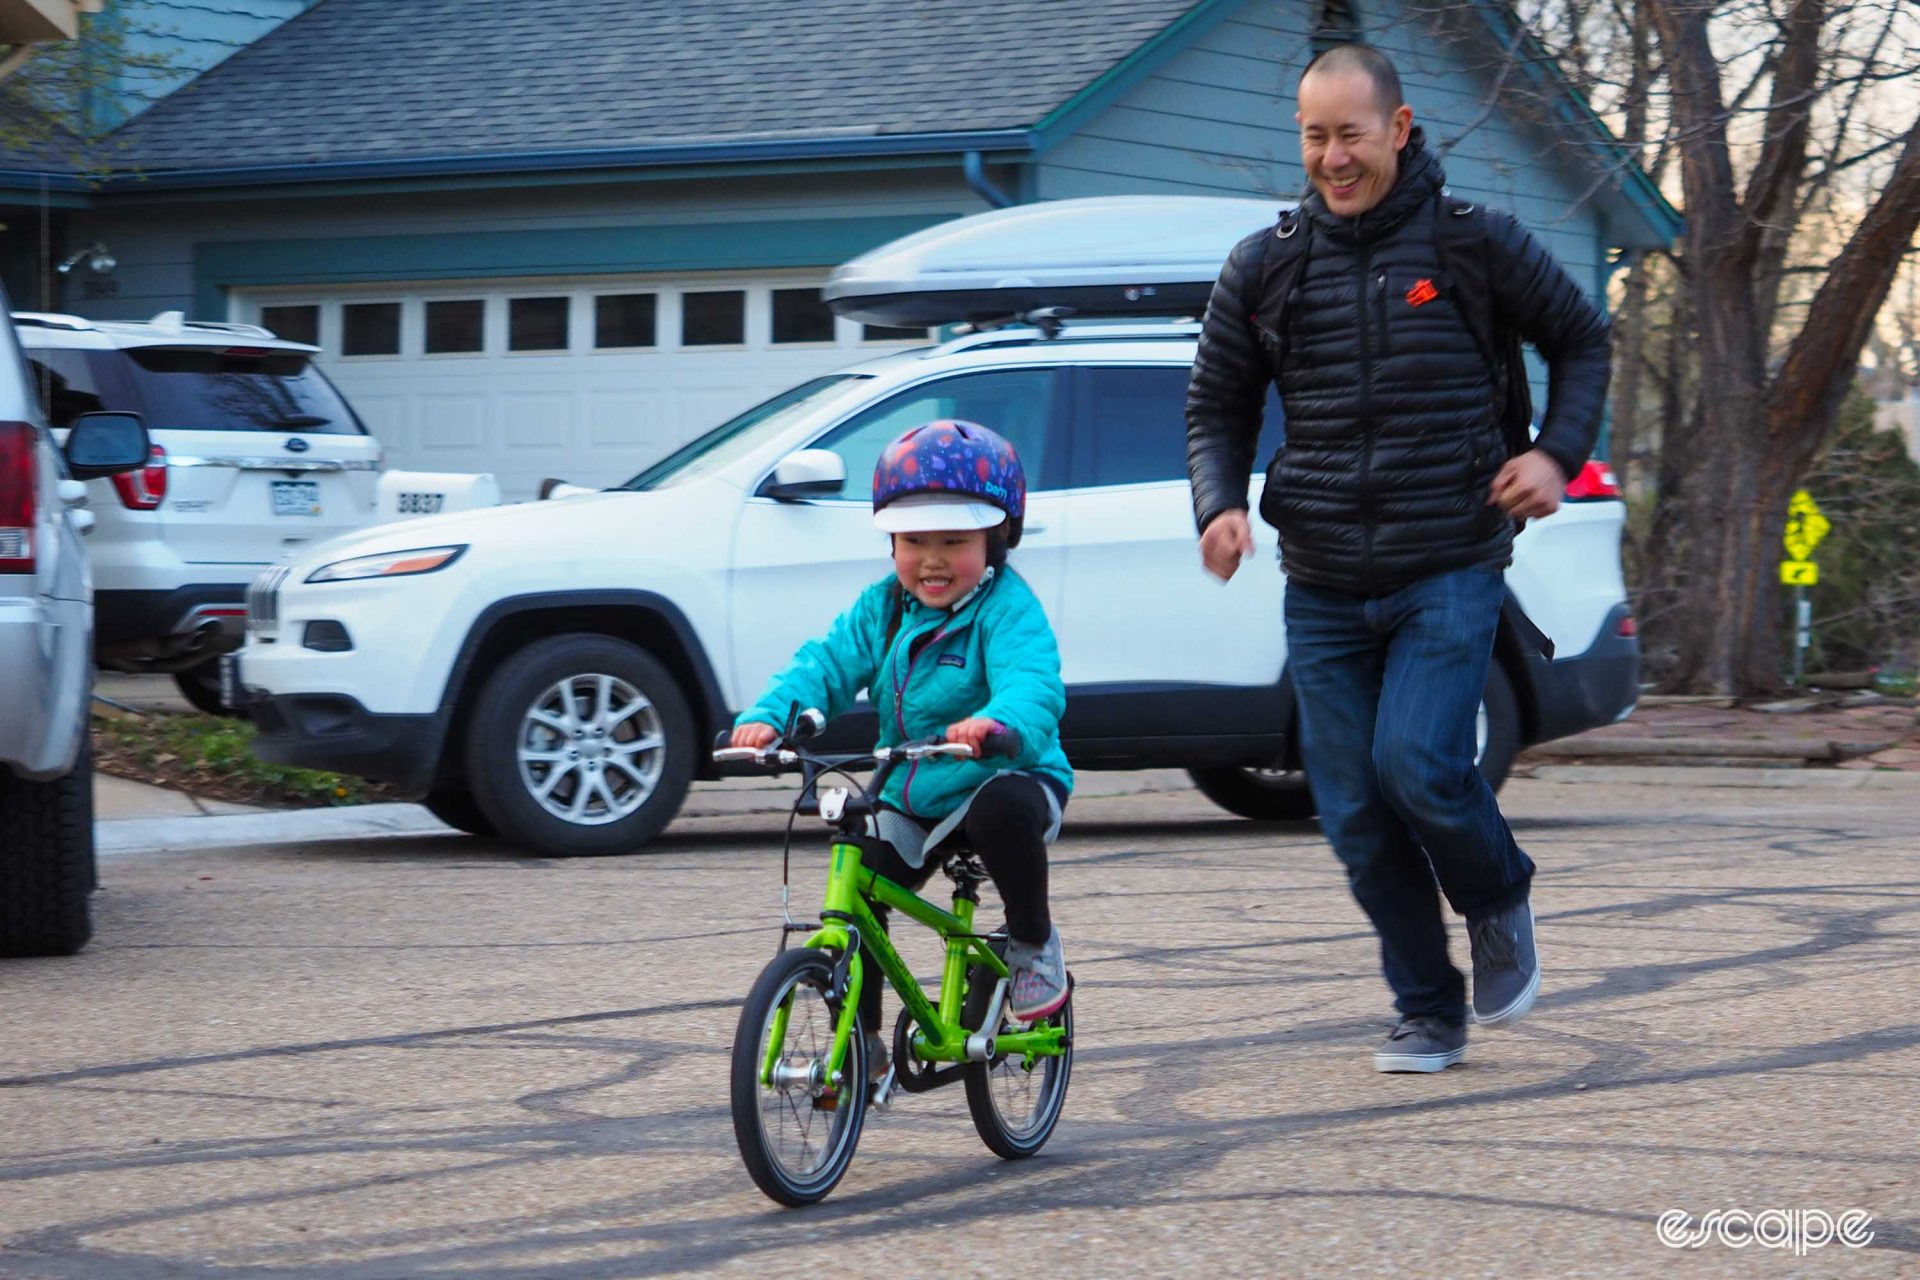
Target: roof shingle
354, 80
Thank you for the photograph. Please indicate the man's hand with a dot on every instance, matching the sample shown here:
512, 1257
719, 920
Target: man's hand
1226, 541
754, 735
973, 731
1529, 486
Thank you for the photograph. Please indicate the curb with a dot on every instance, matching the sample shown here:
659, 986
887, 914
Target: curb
1750, 777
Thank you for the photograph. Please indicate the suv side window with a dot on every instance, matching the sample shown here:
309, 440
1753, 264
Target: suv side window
1130, 426
1017, 403
64, 381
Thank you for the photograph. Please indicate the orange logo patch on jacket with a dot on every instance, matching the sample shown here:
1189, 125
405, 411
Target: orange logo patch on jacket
1422, 293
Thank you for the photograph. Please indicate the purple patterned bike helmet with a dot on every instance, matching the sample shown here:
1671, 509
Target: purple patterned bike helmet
949, 475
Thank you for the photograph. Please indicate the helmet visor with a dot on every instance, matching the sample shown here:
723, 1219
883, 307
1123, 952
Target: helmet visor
934, 512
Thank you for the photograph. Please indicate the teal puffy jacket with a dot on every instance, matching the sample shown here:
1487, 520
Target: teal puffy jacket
992, 655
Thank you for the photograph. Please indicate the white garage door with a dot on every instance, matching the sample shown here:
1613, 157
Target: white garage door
587, 380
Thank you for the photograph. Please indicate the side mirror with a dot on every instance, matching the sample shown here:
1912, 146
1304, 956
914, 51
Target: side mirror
106, 444
807, 473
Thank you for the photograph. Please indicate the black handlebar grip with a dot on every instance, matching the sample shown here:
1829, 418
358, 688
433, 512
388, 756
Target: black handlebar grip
1001, 742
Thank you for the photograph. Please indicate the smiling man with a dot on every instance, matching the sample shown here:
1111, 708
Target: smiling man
1389, 313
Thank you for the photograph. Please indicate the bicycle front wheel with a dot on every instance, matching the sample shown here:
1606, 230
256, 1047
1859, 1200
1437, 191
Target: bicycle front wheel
1015, 1101
796, 1127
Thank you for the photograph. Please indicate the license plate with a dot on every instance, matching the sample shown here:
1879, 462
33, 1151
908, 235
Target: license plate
230, 681
296, 497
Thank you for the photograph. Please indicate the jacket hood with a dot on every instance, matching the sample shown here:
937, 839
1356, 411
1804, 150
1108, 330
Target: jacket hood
1419, 178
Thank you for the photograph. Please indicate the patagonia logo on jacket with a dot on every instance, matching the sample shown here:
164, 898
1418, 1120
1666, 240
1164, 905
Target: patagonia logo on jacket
953, 660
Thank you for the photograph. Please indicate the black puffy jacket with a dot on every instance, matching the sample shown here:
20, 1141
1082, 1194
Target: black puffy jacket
1393, 433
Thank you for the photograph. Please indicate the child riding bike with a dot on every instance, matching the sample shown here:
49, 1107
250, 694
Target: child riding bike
952, 643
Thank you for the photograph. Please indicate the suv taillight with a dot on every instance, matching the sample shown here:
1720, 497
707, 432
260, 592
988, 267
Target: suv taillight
19, 496
1594, 481
145, 489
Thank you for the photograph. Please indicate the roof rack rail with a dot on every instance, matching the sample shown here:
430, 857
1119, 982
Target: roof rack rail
245, 330
1016, 334
51, 320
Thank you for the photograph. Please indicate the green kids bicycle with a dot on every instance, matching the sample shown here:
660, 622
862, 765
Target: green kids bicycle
800, 1080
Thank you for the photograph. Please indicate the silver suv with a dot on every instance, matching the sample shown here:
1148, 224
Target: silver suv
46, 660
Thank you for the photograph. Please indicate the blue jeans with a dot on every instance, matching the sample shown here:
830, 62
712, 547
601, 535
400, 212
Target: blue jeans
1389, 689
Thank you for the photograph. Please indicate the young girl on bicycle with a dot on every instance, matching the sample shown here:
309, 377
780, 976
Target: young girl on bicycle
953, 643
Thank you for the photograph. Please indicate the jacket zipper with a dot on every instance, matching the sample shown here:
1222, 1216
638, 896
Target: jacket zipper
1366, 421
900, 709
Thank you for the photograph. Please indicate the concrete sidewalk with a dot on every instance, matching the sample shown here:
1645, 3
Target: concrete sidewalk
134, 819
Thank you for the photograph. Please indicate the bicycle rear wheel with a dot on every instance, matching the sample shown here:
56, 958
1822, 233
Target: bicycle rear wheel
796, 1134
1015, 1103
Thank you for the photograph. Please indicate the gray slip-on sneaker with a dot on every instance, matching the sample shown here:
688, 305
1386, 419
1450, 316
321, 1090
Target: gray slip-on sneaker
1422, 1043
1506, 966
1039, 978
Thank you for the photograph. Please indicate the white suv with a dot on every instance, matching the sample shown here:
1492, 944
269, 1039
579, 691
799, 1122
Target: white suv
254, 454
555, 672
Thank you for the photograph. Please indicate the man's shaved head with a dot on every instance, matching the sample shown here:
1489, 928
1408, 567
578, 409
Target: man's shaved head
1368, 61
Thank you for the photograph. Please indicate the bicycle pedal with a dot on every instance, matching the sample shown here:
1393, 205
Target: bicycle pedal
882, 1092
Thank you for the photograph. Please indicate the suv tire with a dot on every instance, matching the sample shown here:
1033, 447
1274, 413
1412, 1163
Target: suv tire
1277, 795
456, 807
46, 863
523, 741
201, 686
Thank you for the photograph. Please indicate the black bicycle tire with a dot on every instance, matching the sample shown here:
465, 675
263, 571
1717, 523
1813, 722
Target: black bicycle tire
979, 1080
746, 1090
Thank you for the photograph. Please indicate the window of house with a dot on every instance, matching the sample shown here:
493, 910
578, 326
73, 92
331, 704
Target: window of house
537, 324
713, 318
456, 327
1339, 23
295, 324
800, 315
626, 320
370, 329
1131, 427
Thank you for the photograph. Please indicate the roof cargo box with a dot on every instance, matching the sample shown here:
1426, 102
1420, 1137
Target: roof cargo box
1097, 256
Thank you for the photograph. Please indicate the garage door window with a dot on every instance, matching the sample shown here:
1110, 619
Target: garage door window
537, 324
799, 315
714, 319
295, 324
370, 329
1017, 403
456, 327
625, 320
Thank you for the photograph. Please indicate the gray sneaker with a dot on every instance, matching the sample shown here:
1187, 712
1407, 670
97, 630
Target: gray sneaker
1039, 974
1422, 1043
1506, 968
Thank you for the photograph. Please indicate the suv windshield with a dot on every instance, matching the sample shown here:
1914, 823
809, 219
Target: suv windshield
195, 388
737, 437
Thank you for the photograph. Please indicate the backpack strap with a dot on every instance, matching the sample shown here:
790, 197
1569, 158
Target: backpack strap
1283, 261
1466, 268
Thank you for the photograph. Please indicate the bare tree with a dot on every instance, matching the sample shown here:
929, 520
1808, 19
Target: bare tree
1761, 419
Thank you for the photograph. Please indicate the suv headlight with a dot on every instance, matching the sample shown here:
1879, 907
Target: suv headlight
392, 564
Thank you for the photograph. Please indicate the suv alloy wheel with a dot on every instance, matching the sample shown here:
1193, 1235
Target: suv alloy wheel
580, 744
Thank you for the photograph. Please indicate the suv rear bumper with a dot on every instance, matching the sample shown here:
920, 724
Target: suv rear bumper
334, 732
1600, 686
169, 629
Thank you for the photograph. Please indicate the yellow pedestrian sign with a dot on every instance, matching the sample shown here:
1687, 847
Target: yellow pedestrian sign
1805, 527
1799, 573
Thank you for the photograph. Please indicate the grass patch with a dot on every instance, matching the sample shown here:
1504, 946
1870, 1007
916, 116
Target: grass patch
213, 756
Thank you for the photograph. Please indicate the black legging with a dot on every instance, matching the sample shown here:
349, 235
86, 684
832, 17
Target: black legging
1006, 827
